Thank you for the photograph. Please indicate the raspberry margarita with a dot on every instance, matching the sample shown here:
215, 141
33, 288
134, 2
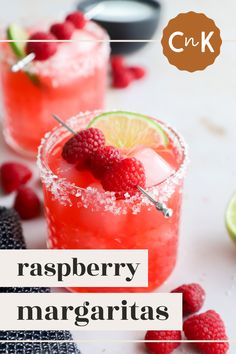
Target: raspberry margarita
90, 188
64, 78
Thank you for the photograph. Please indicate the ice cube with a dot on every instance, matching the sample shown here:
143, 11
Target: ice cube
156, 168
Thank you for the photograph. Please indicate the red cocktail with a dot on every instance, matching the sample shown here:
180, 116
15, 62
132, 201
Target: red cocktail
82, 215
70, 81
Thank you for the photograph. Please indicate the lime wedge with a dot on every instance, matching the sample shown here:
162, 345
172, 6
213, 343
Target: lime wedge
127, 130
15, 32
230, 218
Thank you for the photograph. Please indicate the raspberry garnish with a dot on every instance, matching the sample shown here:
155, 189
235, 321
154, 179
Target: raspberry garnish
83, 145
42, 50
27, 203
103, 160
207, 326
193, 297
77, 18
62, 30
162, 347
13, 175
138, 72
124, 177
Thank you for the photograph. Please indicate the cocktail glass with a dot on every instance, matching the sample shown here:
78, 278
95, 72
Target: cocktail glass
73, 80
80, 215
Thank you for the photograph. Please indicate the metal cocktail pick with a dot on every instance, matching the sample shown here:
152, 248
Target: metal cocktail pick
30, 57
167, 212
22, 63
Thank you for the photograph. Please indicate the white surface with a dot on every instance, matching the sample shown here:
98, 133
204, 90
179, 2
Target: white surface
202, 107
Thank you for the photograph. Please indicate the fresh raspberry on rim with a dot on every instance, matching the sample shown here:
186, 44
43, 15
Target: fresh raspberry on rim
77, 18
124, 177
83, 145
103, 160
62, 30
42, 50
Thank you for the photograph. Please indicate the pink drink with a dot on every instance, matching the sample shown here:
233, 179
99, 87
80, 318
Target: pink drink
72, 80
80, 215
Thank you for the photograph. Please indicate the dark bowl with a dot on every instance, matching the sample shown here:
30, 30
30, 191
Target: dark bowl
128, 30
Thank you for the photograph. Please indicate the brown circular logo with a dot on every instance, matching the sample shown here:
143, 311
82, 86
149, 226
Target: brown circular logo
191, 41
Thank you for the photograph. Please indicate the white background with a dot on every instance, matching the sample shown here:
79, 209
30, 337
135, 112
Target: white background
202, 107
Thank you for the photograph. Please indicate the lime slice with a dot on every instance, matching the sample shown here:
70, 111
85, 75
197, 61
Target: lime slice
127, 130
15, 32
230, 218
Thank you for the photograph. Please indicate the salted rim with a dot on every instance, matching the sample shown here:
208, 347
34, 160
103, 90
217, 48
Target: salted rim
10, 58
61, 188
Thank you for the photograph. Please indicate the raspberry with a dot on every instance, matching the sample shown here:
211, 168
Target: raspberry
124, 177
77, 18
122, 78
162, 347
207, 326
27, 203
137, 71
62, 30
13, 175
42, 50
193, 297
117, 62
81, 146
82, 165
103, 160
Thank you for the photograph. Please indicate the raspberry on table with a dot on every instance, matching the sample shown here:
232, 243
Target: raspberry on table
193, 297
162, 347
27, 203
42, 50
124, 177
207, 326
13, 175
81, 146
138, 72
117, 62
123, 75
62, 30
103, 160
77, 18
122, 78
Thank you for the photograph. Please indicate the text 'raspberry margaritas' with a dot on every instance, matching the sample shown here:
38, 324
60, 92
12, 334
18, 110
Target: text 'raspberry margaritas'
63, 78
91, 181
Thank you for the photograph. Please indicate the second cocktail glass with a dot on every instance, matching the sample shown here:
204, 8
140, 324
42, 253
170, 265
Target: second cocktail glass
72, 80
